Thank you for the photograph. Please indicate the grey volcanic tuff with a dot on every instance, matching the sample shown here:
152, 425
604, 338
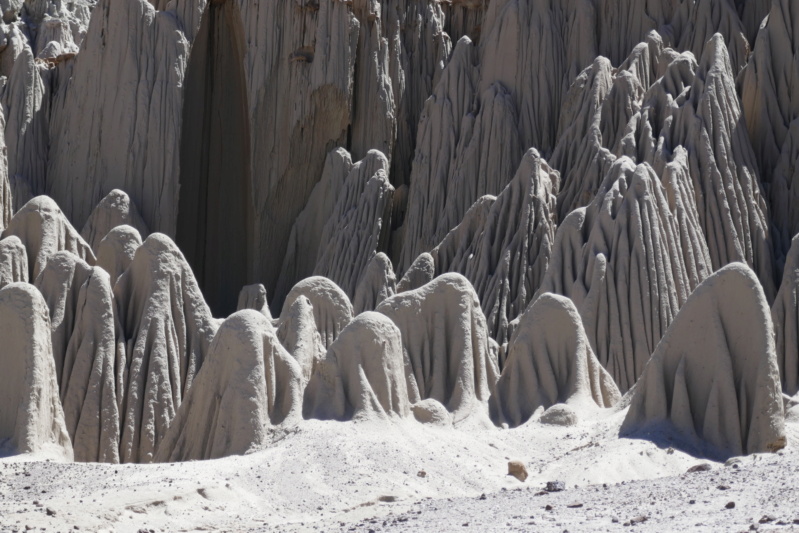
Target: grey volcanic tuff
470, 213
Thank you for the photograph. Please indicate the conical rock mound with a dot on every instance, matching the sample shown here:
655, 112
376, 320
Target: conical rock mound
359, 225
362, 375
630, 233
332, 309
31, 417
248, 383
89, 354
445, 337
550, 361
377, 284
714, 375
44, 230
13, 261
168, 328
421, 272
254, 297
116, 209
117, 249
298, 334
785, 317
506, 256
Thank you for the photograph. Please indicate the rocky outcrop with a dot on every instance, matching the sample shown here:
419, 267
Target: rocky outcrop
785, 317
89, 354
31, 417
168, 328
117, 249
504, 252
362, 376
421, 272
299, 335
714, 375
306, 235
332, 309
630, 232
378, 282
100, 132
550, 362
13, 261
254, 297
771, 109
44, 230
116, 209
358, 227
445, 338
248, 384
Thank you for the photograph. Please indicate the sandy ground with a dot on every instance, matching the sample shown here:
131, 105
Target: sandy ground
329, 476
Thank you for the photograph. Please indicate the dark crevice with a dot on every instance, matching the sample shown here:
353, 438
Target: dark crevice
215, 205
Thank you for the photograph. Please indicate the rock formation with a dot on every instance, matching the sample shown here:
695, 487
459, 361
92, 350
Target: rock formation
254, 297
13, 261
628, 264
358, 227
714, 374
167, 328
44, 230
771, 109
117, 249
377, 283
88, 352
116, 209
445, 338
298, 333
31, 417
332, 309
550, 361
248, 383
504, 251
421, 272
785, 317
362, 375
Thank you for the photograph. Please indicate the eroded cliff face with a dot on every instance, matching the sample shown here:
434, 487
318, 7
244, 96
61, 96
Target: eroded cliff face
471, 170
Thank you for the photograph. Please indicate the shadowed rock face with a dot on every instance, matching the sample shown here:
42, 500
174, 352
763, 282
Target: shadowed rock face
215, 206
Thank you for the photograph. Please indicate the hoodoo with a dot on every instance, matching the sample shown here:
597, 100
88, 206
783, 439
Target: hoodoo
31, 416
714, 375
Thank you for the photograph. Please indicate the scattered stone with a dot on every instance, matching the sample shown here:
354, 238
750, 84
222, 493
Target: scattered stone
730, 505
767, 518
691, 502
574, 505
555, 486
548, 507
50, 511
387, 499
639, 520
421, 473
723, 487
517, 470
483, 496
701, 467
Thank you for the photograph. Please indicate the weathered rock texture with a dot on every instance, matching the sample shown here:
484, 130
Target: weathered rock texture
785, 317
248, 383
31, 417
117, 249
116, 209
714, 375
504, 244
628, 263
13, 261
445, 339
332, 309
44, 230
89, 353
362, 375
358, 227
167, 329
550, 361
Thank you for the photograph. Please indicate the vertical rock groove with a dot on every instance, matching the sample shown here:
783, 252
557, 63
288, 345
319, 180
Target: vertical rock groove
215, 211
